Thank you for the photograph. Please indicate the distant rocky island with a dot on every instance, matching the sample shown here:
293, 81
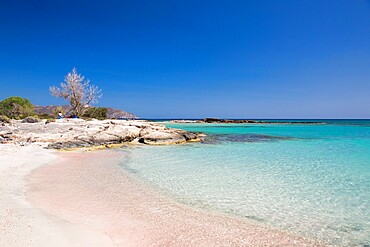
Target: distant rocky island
244, 121
113, 113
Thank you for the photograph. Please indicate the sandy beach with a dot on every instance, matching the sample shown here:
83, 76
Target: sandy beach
184, 123
79, 198
23, 224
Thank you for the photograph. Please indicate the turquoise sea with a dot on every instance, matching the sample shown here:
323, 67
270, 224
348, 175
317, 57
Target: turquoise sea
313, 180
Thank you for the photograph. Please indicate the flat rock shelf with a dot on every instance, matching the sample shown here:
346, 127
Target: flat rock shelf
75, 133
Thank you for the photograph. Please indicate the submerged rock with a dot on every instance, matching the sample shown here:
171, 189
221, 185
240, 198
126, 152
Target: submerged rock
212, 139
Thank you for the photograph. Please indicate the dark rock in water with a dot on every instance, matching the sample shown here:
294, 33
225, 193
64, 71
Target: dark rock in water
212, 120
252, 217
212, 139
162, 138
190, 136
216, 120
167, 137
31, 120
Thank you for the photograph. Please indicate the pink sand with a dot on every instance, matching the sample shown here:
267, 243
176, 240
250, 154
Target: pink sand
90, 189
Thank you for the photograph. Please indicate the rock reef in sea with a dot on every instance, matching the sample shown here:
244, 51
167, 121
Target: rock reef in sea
244, 121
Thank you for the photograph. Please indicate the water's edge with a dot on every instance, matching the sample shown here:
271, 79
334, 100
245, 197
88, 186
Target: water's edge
313, 183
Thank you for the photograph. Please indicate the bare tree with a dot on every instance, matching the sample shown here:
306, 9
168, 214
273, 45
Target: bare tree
77, 91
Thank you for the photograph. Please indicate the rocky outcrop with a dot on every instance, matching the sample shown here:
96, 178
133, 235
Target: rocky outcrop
31, 120
162, 138
74, 133
6, 137
217, 120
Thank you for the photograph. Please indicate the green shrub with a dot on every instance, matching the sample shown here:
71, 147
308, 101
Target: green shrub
16, 107
4, 119
96, 112
44, 116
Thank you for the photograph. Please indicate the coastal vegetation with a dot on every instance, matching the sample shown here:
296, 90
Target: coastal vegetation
100, 113
77, 91
4, 119
16, 107
66, 110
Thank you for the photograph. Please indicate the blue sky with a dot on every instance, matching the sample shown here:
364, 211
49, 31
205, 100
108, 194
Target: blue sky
195, 59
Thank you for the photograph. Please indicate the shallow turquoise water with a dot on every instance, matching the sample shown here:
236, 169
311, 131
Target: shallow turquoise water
313, 180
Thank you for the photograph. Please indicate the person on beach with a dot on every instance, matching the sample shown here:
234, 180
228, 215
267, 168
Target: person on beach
60, 115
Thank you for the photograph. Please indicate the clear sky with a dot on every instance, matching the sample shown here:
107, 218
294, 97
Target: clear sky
194, 58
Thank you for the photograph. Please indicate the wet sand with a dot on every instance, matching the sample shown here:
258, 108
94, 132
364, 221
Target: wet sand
90, 190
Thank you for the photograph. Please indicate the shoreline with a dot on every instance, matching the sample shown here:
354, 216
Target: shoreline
23, 224
83, 189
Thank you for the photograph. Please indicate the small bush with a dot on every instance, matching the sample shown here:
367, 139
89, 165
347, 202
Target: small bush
16, 107
44, 116
96, 112
5, 119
